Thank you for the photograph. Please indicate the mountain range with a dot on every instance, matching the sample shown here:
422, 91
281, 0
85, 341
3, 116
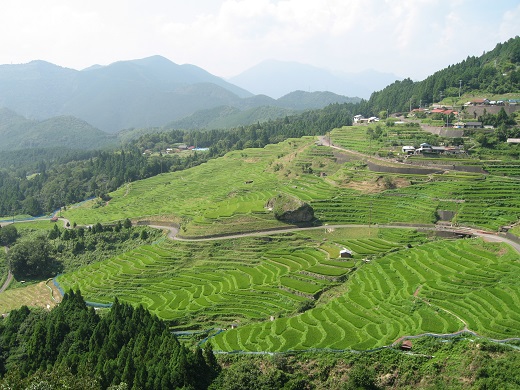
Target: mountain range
284, 77
148, 92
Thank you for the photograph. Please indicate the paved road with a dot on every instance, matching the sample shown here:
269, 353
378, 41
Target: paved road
489, 236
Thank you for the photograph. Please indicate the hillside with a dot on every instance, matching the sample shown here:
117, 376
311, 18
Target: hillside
495, 72
417, 259
405, 274
149, 92
68, 132
227, 117
310, 296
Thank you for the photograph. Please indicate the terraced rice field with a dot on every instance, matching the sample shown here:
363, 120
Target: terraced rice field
228, 195
436, 287
204, 283
218, 186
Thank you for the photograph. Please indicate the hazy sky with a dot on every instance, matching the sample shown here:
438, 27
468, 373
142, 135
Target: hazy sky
411, 38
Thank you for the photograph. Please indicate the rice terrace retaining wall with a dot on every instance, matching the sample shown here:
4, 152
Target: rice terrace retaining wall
405, 170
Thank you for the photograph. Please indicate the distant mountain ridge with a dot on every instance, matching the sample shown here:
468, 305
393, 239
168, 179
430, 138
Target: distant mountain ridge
148, 92
17, 132
259, 108
278, 78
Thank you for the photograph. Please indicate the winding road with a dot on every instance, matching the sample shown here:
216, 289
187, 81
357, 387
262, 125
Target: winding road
488, 236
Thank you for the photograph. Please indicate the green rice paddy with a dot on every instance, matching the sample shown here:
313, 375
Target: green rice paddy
439, 287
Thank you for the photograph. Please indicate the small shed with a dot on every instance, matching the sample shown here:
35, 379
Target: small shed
473, 125
345, 253
407, 149
406, 345
54, 219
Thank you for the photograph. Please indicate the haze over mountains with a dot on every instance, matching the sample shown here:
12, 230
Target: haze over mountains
139, 93
285, 77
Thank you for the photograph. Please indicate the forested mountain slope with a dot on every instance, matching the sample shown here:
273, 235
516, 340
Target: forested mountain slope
495, 72
17, 132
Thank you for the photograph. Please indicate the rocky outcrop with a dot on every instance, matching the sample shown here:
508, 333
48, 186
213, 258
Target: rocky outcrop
290, 209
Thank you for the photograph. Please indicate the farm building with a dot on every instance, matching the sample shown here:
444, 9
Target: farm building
479, 101
361, 119
345, 253
473, 125
406, 345
408, 149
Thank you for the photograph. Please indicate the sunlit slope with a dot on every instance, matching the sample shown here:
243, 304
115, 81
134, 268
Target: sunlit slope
440, 287
203, 191
229, 194
200, 284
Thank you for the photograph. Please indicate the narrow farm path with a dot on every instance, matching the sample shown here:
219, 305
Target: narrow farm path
9, 277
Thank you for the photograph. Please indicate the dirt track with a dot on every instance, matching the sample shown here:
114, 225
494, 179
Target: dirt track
9, 278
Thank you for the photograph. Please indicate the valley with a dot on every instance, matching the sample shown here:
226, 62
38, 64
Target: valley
276, 287
210, 238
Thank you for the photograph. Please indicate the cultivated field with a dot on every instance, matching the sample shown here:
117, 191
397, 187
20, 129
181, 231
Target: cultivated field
228, 195
202, 284
440, 287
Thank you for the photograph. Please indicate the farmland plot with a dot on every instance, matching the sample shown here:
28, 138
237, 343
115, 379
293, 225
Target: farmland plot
436, 287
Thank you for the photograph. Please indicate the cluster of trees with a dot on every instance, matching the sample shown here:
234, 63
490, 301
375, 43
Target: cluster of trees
56, 184
504, 129
73, 347
40, 256
33, 258
494, 72
8, 235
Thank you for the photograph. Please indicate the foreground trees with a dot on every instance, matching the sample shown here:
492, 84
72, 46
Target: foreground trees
128, 347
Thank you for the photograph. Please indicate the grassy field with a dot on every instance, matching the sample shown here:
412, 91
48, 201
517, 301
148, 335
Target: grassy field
437, 287
33, 295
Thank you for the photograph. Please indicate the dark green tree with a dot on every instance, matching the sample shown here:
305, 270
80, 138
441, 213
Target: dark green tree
8, 235
32, 258
127, 224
